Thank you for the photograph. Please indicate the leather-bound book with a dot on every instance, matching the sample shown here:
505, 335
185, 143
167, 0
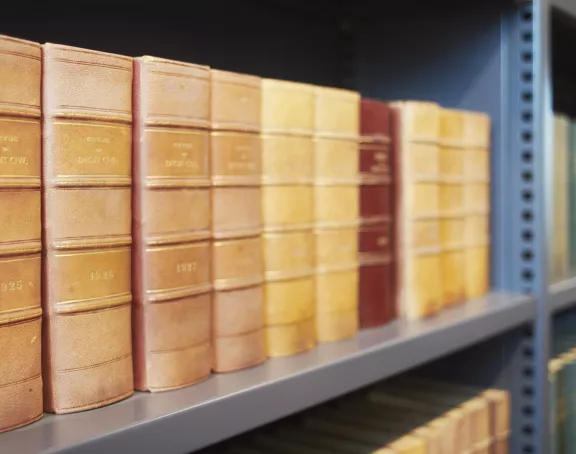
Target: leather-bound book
336, 212
287, 215
417, 230
20, 232
87, 168
477, 205
171, 224
452, 208
237, 271
376, 240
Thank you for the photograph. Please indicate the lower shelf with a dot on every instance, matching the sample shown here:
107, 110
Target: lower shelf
228, 404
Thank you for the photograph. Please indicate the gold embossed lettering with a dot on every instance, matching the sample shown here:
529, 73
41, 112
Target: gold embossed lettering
11, 286
181, 163
101, 275
9, 138
98, 139
182, 145
186, 267
13, 160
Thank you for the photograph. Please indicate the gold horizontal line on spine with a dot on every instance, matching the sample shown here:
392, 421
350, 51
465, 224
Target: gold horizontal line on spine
424, 217
373, 220
336, 135
20, 247
232, 235
336, 268
20, 315
374, 258
161, 239
194, 245
65, 181
159, 296
320, 226
425, 140
285, 229
453, 247
452, 143
237, 282
175, 121
336, 181
92, 242
374, 179
103, 117
446, 179
33, 121
175, 183
33, 113
19, 182
218, 180
267, 181
288, 275
186, 129
93, 304
417, 251
227, 127
379, 141
278, 132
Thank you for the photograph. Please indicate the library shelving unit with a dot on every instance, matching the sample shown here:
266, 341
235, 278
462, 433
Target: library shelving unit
490, 56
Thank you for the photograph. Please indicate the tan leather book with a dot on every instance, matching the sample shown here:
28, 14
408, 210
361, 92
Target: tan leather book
452, 207
477, 202
499, 404
287, 215
336, 212
87, 178
236, 222
559, 244
420, 292
20, 233
171, 313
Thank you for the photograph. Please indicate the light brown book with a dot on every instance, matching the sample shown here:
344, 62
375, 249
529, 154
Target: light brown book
20, 233
452, 205
336, 212
171, 313
237, 271
477, 203
287, 215
87, 178
420, 292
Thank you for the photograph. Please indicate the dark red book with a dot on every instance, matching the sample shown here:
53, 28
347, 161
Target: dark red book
377, 287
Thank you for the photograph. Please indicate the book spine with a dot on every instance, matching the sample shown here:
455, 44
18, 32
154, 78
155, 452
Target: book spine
336, 212
20, 233
287, 215
376, 233
236, 221
572, 196
87, 139
171, 314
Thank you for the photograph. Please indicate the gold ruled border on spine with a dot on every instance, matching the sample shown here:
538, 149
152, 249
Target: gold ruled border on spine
27, 247
19, 182
176, 183
320, 226
222, 285
101, 182
160, 296
268, 181
336, 268
236, 234
161, 239
286, 228
369, 179
94, 304
375, 220
277, 276
347, 182
379, 140
225, 181
19, 315
98, 242
374, 258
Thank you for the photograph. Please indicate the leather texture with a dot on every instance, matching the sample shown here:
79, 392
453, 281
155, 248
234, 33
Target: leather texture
20, 233
287, 216
236, 222
477, 133
420, 292
171, 313
336, 212
87, 139
376, 235
452, 209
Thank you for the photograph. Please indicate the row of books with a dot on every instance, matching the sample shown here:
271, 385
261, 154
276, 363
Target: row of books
196, 221
562, 382
562, 260
408, 415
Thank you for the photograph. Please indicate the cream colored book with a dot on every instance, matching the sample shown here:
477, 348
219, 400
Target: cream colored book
559, 236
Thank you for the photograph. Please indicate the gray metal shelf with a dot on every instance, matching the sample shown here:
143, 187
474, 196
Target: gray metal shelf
228, 404
563, 295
